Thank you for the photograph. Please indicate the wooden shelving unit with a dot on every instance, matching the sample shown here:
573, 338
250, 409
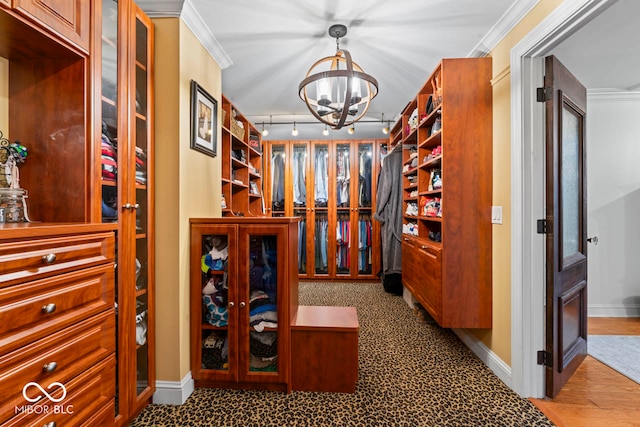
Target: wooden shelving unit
446, 253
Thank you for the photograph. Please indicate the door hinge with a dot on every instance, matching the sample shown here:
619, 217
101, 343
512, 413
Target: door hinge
542, 226
544, 94
544, 358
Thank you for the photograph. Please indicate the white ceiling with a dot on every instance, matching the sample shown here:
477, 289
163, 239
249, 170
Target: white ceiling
272, 43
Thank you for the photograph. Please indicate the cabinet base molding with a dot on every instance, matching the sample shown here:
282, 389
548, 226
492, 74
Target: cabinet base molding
173, 392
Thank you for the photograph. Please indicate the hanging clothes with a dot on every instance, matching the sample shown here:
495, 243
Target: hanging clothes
389, 212
299, 178
277, 180
321, 176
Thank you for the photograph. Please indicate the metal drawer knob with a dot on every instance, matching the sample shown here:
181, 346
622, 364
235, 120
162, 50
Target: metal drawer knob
50, 367
50, 424
231, 304
49, 258
49, 308
242, 304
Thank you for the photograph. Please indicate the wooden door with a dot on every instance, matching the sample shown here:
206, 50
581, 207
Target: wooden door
566, 225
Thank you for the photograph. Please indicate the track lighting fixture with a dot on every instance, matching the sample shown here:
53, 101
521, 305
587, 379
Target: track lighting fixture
294, 131
325, 131
351, 130
265, 132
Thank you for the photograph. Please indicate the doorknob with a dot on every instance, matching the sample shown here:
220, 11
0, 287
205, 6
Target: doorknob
593, 240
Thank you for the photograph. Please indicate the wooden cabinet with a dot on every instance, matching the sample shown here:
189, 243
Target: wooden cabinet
57, 322
125, 147
243, 295
241, 164
331, 186
446, 136
70, 19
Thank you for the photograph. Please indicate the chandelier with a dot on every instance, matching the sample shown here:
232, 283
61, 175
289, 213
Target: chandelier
336, 90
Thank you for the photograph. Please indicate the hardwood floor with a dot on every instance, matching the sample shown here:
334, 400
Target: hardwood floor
596, 395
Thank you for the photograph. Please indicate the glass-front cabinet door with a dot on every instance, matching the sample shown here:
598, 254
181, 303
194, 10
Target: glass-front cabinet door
319, 210
276, 187
110, 135
344, 207
301, 208
363, 235
139, 179
217, 299
261, 351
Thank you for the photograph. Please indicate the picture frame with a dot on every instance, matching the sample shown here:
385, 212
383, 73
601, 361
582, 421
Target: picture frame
204, 121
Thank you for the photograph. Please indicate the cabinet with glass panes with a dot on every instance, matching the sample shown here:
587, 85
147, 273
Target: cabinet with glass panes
331, 187
243, 294
126, 152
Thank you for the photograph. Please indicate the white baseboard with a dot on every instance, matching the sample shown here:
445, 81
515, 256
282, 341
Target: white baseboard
614, 310
173, 392
497, 365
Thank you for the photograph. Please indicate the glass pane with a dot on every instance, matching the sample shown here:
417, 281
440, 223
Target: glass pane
365, 154
365, 240
299, 175
343, 242
142, 203
570, 182
321, 189
320, 241
343, 175
109, 137
263, 299
277, 179
215, 316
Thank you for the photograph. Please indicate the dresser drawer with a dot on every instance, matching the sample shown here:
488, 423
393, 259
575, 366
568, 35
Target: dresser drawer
36, 309
72, 350
89, 401
24, 260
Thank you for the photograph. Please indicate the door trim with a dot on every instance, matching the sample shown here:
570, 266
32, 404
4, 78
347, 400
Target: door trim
527, 188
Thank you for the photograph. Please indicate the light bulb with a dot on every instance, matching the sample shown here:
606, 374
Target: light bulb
265, 132
294, 131
351, 130
385, 130
325, 131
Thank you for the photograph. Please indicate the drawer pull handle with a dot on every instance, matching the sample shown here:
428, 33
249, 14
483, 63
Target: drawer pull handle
242, 304
50, 367
231, 304
49, 258
50, 424
49, 308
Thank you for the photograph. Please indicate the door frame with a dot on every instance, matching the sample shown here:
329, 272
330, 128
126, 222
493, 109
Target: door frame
528, 188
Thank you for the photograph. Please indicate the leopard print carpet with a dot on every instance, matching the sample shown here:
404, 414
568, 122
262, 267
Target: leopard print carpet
411, 373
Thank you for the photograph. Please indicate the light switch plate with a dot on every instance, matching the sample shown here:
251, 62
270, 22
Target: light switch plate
496, 214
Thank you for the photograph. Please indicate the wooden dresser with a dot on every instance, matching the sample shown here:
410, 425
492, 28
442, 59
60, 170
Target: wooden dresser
57, 324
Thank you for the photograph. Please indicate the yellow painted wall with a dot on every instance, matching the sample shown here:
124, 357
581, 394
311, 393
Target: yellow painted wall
4, 96
187, 185
498, 339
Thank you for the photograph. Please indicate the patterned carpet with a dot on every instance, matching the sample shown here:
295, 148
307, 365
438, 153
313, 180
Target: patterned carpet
411, 373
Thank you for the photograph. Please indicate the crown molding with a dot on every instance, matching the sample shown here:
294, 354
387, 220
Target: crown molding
518, 10
196, 24
185, 10
161, 9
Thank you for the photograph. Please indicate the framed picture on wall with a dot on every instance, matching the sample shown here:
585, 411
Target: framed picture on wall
204, 120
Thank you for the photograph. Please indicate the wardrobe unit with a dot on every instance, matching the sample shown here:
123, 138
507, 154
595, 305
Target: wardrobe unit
446, 138
244, 294
331, 186
124, 143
